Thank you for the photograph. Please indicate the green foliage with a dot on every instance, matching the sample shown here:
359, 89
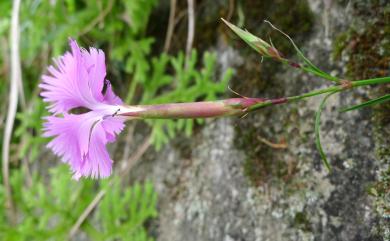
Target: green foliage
308, 65
123, 213
47, 211
376, 101
49, 205
138, 13
317, 131
29, 131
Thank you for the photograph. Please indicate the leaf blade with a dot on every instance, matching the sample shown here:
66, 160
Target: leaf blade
317, 128
310, 66
376, 101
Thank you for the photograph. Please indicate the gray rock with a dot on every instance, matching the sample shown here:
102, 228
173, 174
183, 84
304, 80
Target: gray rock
203, 183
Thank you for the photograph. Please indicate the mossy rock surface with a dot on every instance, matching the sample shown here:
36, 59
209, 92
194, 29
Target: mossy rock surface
235, 179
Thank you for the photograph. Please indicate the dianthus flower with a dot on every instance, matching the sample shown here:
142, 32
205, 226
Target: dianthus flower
78, 81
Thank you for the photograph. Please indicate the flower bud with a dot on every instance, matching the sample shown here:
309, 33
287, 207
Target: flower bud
261, 46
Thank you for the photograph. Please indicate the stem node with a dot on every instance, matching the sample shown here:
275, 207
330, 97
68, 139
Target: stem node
346, 84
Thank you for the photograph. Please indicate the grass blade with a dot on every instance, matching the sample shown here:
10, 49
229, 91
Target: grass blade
317, 131
310, 66
376, 101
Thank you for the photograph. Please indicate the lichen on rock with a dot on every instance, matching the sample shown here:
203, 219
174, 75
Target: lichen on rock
228, 184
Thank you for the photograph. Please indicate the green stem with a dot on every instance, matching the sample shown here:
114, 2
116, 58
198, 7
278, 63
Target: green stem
382, 80
316, 92
310, 70
228, 107
336, 88
319, 74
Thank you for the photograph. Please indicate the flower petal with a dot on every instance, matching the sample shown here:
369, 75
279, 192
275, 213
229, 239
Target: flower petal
81, 141
113, 126
77, 81
110, 97
94, 62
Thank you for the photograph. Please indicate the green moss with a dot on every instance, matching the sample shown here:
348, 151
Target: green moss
302, 221
256, 171
340, 43
368, 49
264, 163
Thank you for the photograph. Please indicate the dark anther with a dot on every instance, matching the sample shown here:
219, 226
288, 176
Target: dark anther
116, 112
105, 86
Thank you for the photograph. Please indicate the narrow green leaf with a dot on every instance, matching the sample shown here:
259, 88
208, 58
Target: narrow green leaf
311, 67
317, 131
376, 101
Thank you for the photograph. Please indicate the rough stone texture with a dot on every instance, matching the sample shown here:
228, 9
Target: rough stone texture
226, 184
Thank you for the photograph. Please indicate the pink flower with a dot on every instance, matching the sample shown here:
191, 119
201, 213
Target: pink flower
78, 80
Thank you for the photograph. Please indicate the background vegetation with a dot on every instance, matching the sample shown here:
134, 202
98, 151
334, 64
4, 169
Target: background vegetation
46, 203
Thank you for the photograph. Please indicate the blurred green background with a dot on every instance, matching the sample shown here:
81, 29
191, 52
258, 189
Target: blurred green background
143, 67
